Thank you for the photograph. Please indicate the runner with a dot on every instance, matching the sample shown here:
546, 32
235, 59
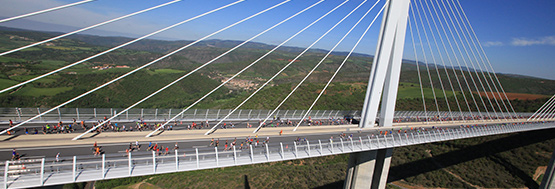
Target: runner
15, 155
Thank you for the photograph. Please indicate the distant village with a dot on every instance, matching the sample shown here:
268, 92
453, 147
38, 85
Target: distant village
108, 66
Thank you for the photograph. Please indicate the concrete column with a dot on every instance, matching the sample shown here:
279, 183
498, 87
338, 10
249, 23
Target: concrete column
386, 66
360, 169
368, 169
383, 161
548, 180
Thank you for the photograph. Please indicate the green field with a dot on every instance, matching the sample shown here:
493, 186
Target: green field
410, 90
37, 92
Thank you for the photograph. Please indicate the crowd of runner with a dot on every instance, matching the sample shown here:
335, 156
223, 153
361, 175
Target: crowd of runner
141, 125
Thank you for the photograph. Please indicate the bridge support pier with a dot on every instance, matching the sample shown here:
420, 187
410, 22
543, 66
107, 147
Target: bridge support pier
548, 180
368, 169
386, 67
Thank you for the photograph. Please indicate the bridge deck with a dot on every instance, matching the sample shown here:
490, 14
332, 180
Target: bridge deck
146, 163
21, 141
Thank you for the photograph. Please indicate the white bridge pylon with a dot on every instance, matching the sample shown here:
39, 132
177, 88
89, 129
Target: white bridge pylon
386, 66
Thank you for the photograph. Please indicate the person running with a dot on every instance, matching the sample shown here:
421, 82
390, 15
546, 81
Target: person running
176, 147
58, 157
212, 142
137, 145
149, 146
15, 155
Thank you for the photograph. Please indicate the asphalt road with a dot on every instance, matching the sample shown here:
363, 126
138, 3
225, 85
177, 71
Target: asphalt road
68, 150
83, 150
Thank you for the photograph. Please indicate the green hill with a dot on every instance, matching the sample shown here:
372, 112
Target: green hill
346, 92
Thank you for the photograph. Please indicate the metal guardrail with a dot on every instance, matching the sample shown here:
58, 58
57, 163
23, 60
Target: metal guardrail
93, 114
42, 172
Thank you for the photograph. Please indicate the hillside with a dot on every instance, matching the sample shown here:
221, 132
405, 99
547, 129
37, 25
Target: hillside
346, 92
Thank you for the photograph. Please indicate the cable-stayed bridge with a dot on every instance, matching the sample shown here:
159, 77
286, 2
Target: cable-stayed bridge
439, 36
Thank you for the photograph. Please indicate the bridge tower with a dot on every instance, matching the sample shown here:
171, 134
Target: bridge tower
386, 66
370, 169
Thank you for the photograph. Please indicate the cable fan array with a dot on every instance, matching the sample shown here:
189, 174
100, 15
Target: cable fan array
451, 64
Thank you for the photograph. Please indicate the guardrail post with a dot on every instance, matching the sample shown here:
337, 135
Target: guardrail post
42, 172
361, 144
59, 115
281, 147
252, 154
342, 145
38, 111
218, 114
352, 144
249, 116
320, 144
142, 113
176, 160
295, 143
18, 111
170, 114
308, 146
73, 170
217, 160
392, 140
239, 115
369, 142
385, 140
153, 161
130, 163
206, 115
198, 163
331, 144
234, 155
6, 174
378, 141
194, 114
77, 111
156, 114
267, 152
103, 165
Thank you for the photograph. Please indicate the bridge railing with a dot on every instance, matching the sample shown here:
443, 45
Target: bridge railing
93, 114
51, 171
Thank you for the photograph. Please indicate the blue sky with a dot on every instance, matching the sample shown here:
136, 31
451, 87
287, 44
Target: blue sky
518, 36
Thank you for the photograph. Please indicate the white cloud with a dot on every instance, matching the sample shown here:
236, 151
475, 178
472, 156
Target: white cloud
548, 40
493, 43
